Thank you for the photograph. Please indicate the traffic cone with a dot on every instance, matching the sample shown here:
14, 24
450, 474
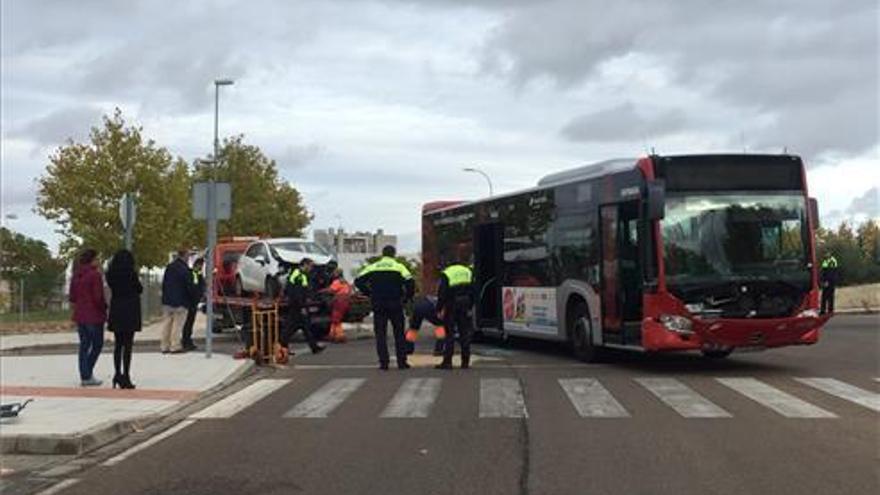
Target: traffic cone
440, 333
411, 335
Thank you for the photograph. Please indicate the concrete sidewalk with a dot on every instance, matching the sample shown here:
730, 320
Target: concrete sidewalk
68, 419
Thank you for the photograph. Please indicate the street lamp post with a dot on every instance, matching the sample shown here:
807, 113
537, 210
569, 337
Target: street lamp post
212, 220
484, 174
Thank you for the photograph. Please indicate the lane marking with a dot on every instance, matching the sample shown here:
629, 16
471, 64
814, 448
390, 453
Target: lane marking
413, 399
502, 398
591, 399
148, 443
775, 399
229, 406
844, 391
683, 399
323, 401
56, 488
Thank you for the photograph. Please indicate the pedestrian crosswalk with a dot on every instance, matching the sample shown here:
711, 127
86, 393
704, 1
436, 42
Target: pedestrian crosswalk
589, 397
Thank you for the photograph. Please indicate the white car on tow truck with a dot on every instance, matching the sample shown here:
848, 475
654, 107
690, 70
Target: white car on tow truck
262, 266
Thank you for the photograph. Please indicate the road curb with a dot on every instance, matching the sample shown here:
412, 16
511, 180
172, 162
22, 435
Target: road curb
109, 432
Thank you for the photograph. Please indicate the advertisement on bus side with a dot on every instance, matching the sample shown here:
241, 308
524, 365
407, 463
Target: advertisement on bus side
530, 309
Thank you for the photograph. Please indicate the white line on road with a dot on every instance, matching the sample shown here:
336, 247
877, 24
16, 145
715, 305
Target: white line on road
322, 402
682, 398
591, 399
229, 406
781, 402
56, 488
414, 398
502, 398
845, 391
152, 441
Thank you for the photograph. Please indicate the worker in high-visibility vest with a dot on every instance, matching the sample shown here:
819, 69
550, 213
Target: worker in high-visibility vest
297, 293
829, 282
389, 284
425, 308
455, 299
340, 289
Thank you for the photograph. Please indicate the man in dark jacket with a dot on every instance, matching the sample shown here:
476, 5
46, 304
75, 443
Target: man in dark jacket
197, 291
389, 284
176, 284
298, 292
829, 283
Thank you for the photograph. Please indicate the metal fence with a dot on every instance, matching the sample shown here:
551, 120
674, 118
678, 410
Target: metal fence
32, 303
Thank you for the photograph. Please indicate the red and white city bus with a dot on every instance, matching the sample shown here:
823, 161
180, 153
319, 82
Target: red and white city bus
699, 252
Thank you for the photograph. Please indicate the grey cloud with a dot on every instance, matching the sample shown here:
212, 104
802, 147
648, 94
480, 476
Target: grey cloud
867, 204
59, 126
299, 156
623, 123
810, 65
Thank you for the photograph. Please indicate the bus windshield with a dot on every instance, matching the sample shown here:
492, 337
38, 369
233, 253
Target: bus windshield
717, 237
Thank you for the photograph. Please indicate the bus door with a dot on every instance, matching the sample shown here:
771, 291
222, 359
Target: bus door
621, 273
488, 265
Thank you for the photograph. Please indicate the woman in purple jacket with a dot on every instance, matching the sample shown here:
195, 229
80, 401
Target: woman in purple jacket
89, 313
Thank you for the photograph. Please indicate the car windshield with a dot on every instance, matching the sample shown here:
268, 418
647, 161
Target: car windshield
300, 247
712, 237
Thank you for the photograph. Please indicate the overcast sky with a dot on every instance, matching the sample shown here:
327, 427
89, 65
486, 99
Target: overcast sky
372, 108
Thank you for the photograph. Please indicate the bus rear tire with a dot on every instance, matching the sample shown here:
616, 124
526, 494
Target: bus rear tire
580, 335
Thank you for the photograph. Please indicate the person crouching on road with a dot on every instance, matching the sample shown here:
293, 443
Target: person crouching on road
389, 284
125, 313
176, 284
89, 313
425, 308
298, 292
341, 292
196, 292
455, 300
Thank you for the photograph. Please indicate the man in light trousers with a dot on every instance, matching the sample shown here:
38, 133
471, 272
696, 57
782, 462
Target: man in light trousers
175, 301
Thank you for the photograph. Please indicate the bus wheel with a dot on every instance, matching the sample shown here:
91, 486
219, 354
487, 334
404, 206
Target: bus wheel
716, 353
580, 338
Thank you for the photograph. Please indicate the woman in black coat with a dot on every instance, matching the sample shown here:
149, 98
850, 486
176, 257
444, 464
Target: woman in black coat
125, 313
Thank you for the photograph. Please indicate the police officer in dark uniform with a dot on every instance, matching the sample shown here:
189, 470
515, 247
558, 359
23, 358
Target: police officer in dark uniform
196, 292
297, 292
389, 284
455, 299
829, 282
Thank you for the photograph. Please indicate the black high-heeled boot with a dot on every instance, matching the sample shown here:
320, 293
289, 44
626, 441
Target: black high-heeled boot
118, 380
127, 382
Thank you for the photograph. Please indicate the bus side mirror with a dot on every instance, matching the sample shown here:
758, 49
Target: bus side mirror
656, 199
814, 212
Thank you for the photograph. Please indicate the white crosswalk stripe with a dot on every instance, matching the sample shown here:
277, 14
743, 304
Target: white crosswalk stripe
326, 399
845, 391
502, 398
229, 406
684, 400
775, 399
591, 399
413, 399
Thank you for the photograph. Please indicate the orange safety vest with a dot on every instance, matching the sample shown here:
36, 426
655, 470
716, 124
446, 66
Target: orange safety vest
340, 287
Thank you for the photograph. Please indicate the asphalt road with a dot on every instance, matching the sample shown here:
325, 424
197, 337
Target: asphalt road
671, 424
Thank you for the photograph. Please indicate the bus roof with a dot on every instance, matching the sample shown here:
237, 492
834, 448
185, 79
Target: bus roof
589, 171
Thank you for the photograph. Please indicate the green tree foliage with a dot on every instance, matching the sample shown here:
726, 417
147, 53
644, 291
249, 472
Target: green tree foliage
83, 183
262, 202
857, 251
23, 258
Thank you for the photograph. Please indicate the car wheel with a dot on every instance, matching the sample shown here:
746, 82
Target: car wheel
716, 353
580, 337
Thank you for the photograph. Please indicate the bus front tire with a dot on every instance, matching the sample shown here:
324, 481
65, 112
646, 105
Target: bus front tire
580, 337
717, 353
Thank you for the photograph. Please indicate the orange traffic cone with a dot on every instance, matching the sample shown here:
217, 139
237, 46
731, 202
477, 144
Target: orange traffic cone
439, 333
411, 335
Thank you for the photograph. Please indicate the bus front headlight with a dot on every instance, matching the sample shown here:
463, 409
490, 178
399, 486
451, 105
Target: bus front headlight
677, 324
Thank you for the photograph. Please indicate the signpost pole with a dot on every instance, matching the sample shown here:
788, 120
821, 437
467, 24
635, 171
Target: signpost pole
129, 221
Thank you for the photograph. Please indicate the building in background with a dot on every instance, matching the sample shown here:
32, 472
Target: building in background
353, 249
